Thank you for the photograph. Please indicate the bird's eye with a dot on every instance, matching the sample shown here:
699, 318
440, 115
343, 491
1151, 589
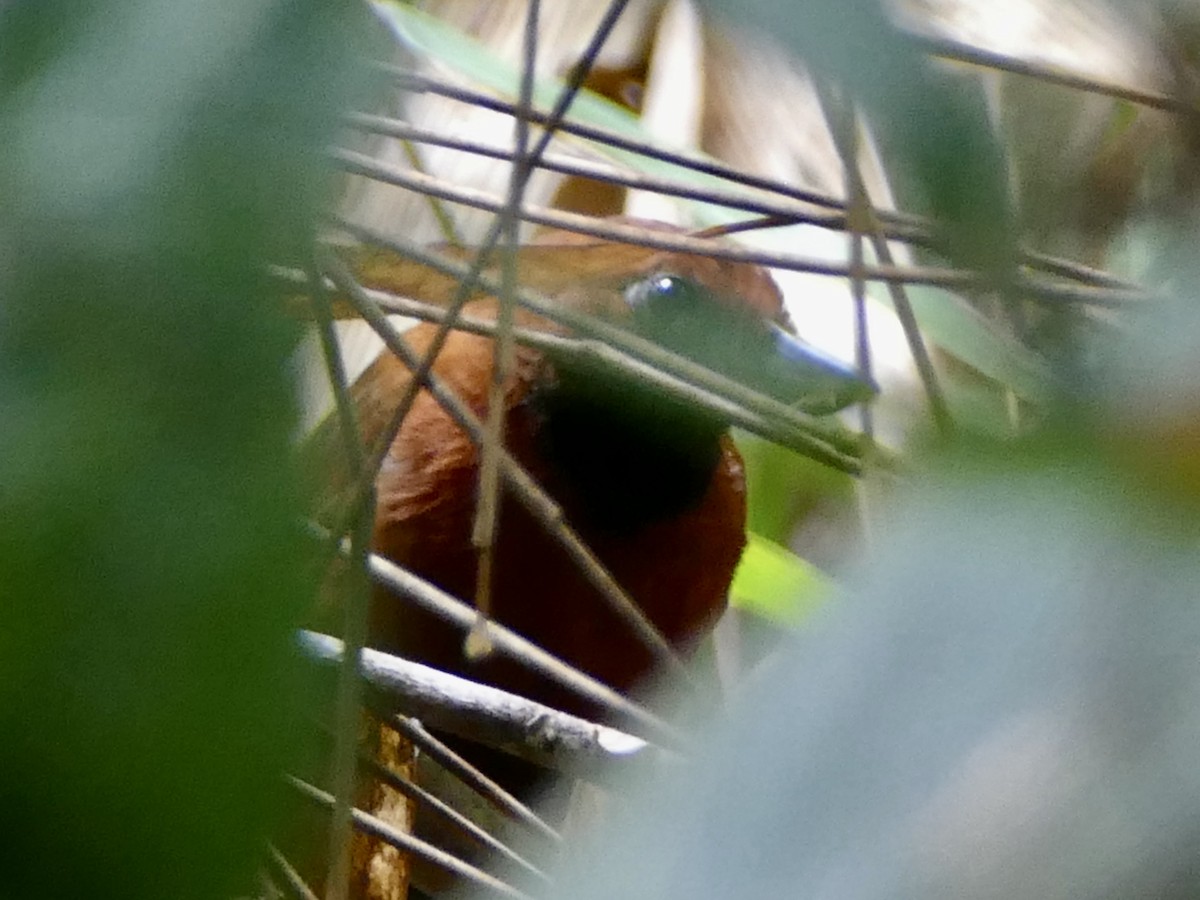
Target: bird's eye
658, 288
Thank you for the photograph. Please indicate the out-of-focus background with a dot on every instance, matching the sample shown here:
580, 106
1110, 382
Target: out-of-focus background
972, 671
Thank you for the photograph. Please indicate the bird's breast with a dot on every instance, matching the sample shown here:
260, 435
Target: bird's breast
664, 511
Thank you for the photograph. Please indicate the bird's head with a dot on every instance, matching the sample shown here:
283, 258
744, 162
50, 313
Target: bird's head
724, 316
637, 448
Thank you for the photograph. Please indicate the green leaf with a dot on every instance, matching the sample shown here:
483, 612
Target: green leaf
782, 485
937, 125
155, 156
434, 38
774, 583
965, 333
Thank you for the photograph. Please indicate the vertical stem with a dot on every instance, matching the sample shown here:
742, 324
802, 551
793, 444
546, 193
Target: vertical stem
483, 535
349, 688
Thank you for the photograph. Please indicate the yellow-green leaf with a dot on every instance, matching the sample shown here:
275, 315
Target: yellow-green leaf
775, 583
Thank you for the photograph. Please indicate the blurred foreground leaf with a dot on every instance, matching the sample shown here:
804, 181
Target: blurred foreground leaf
1006, 705
937, 126
155, 155
1005, 700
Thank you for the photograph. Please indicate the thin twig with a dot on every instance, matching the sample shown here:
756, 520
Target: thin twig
389, 834
459, 614
292, 880
501, 799
704, 166
787, 211
949, 278
487, 510
487, 715
427, 801
337, 882
976, 56
846, 142
445, 221
938, 407
395, 677
898, 225
840, 120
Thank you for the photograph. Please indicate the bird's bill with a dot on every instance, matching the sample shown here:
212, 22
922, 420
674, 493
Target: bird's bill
815, 381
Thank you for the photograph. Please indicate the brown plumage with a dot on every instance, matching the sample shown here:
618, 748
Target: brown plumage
656, 489
653, 486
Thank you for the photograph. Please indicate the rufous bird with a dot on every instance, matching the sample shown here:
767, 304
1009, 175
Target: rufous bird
655, 487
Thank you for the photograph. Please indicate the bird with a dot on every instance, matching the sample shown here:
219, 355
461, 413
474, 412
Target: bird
653, 485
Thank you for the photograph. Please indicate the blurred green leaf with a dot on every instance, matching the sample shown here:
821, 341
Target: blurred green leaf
782, 486
442, 42
434, 38
937, 125
775, 583
1006, 703
1009, 680
968, 335
155, 155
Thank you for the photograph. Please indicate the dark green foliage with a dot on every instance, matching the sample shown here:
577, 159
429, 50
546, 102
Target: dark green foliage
155, 155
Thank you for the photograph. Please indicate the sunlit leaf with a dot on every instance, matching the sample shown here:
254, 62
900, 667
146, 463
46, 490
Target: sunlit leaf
775, 583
